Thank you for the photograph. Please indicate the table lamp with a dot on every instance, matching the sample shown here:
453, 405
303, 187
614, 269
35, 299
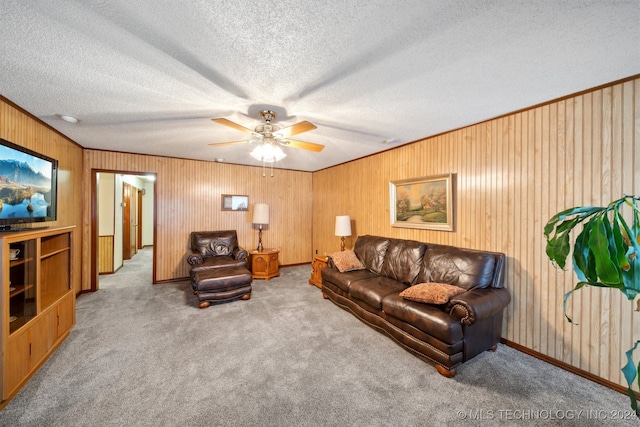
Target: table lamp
260, 218
343, 228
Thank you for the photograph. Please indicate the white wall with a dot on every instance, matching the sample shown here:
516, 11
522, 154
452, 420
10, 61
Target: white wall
147, 214
117, 236
106, 203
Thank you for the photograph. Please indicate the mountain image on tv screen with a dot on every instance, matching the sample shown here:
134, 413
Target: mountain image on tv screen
25, 184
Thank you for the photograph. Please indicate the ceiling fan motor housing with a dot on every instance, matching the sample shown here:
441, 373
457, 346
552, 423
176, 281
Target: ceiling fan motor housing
267, 130
268, 115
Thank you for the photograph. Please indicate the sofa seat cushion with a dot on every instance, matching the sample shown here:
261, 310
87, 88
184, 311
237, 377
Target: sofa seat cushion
430, 319
214, 262
372, 291
221, 279
344, 280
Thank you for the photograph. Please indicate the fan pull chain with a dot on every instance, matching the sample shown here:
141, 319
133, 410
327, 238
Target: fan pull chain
264, 173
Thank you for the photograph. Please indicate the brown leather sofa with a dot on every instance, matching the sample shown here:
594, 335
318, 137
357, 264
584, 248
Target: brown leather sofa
218, 267
446, 334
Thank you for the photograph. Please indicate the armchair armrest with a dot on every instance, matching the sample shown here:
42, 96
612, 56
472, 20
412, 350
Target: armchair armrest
478, 304
194, 258
240, 253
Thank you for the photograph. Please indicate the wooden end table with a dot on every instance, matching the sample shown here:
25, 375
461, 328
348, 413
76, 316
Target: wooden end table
264, 264
319, 262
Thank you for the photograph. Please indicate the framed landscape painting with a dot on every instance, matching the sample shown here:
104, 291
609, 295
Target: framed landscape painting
425, 202
232, 202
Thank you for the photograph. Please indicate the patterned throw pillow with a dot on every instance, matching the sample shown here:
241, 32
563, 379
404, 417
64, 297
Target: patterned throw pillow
346, 261
431, 293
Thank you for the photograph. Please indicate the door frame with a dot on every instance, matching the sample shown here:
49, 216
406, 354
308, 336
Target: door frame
139, 194
94, 235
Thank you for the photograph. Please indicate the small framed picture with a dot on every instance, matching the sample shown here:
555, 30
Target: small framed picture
425, 202
231, 202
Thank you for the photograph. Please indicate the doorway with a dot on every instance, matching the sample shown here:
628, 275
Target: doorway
123, 212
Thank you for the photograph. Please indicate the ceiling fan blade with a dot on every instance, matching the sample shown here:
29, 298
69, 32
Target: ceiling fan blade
295, 129
304, 145
233, 125
222, 144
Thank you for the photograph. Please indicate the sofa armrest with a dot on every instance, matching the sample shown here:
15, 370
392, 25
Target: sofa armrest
194, 258
478, 304
240, 253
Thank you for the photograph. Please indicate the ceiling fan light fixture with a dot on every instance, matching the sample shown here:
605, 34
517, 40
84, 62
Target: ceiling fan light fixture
268, 153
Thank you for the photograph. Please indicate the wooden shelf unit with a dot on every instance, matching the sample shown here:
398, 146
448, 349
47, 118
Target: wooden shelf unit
37, 303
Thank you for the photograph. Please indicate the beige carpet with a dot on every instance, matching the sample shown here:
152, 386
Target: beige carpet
145, 355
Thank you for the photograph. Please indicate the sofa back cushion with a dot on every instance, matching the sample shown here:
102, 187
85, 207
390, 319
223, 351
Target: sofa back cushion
403, 260
214, 243
466, 268
371, 251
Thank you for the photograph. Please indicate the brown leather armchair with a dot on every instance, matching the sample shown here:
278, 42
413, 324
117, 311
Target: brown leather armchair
215, 249
218, 267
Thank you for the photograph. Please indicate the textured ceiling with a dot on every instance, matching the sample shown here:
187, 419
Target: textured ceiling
146, 76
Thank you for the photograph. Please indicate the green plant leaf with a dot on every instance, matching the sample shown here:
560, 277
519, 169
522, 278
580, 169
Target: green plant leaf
558, 249
599, 244
635, 231
566, 298
553, 221
631, 276
557, 231
618, 242
630, 371
582, 213
583, 262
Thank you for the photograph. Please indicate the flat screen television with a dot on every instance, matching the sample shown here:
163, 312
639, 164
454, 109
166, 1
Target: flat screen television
28, 184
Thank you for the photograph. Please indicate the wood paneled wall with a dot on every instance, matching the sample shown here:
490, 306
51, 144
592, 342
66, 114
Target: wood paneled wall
105, 254
513, 173
188, 198
21, 128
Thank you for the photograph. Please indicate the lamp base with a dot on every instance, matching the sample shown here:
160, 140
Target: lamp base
342, 243
260, 248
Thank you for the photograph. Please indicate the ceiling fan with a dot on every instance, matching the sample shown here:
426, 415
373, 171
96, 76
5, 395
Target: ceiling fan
271, 136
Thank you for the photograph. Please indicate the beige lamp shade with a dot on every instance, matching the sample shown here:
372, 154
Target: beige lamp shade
343, 225
260, 213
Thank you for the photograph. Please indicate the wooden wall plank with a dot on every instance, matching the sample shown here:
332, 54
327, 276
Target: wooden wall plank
105, 251
513, 173
21, 128
188, 198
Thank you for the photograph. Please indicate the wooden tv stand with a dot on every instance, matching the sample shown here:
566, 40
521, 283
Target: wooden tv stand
38, 302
